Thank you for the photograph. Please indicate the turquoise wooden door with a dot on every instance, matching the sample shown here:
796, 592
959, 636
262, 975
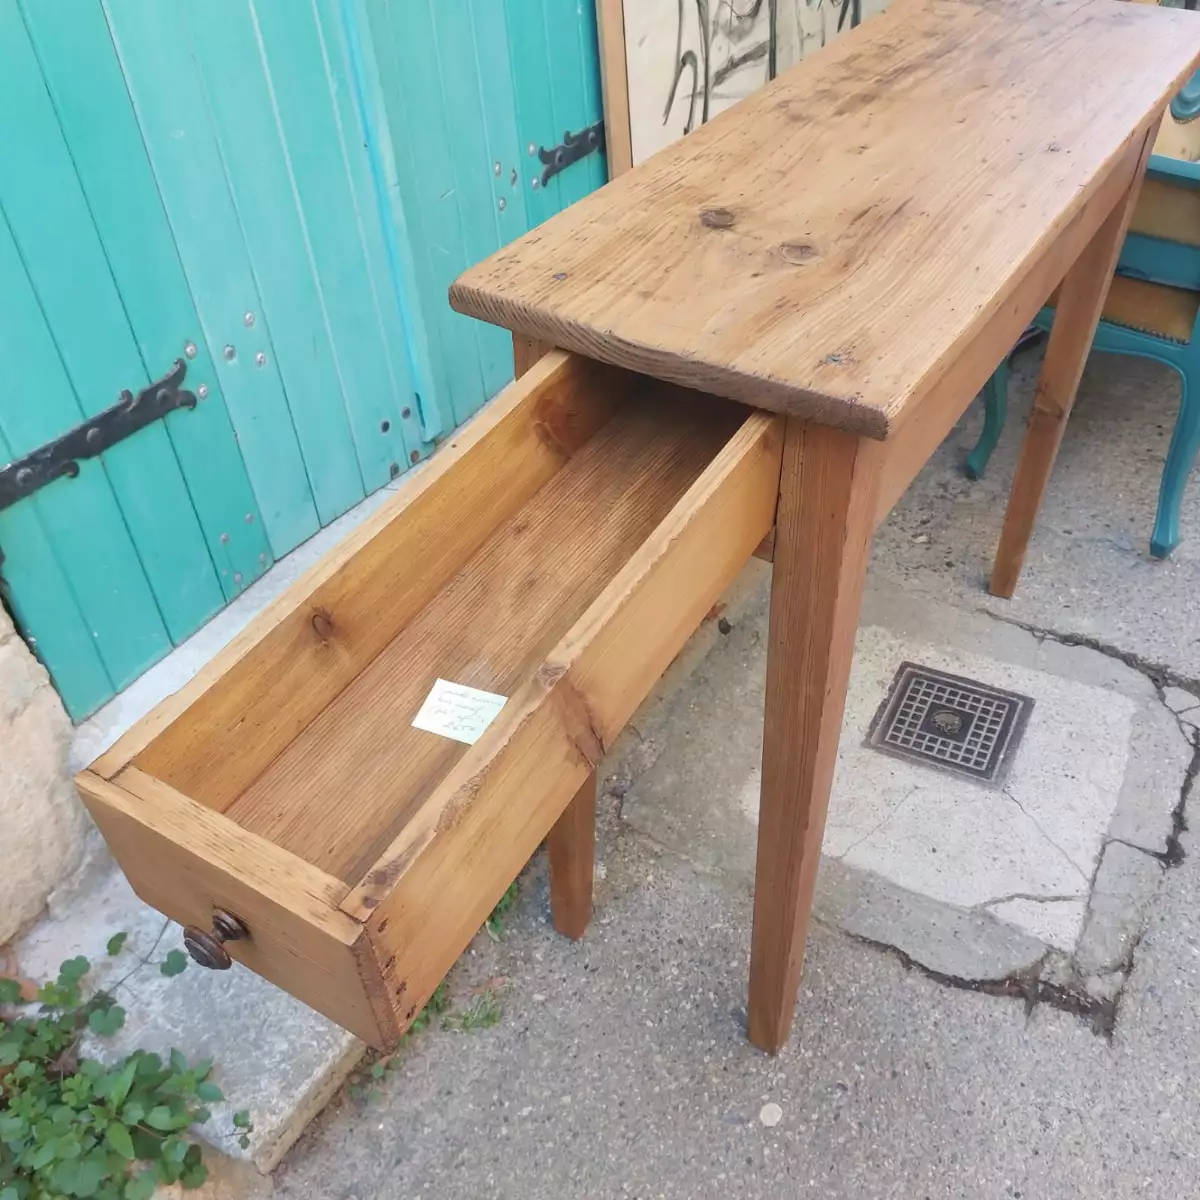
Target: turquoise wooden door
278, 194
106, 570
469, 91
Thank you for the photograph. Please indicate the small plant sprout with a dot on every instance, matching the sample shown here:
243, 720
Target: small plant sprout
495, 923
74, 1126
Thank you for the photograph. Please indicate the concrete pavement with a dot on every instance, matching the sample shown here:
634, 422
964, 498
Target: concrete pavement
620, 1068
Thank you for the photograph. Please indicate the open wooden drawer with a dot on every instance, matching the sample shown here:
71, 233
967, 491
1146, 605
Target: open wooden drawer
558, 551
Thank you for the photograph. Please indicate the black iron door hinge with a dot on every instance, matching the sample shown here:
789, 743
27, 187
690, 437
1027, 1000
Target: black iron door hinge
574, 147
61, 457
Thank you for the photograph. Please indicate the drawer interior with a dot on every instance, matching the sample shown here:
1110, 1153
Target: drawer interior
346, 775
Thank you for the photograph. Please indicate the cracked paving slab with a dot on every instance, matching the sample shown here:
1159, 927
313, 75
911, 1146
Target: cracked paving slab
967, 879
1055, 920
1184, 704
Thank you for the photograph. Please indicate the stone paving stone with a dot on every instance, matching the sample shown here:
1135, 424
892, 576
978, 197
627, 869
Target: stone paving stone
1021, 856
271, 1054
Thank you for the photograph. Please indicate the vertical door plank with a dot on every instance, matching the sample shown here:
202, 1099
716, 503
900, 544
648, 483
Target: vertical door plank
380, 179
474, 167
387, 353
555, 67
292, 328
169, 100
409, 74
40, 596
88, 90
529, 53
80, 516
373, 23
50, 221
295, 61
593, 93
498, 96
573, 69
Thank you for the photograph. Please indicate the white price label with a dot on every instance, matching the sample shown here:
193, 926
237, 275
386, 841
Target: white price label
453, 710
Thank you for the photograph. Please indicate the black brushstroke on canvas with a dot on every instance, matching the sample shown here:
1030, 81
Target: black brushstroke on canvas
736, 24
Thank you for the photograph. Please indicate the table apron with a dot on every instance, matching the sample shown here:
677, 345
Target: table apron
907, 451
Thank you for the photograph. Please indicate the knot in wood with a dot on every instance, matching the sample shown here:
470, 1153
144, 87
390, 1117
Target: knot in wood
322, 624
798, 253
718, 218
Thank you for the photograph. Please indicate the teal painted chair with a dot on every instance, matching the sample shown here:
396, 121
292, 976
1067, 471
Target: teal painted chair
1151, 312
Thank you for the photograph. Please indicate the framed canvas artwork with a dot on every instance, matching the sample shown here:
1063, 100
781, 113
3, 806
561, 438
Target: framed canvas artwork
671, 65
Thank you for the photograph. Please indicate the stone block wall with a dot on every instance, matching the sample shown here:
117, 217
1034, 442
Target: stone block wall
42, 823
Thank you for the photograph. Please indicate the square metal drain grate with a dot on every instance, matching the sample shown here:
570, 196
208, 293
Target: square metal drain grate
946, 721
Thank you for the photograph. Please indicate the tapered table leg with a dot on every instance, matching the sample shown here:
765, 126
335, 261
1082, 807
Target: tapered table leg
827, 496
1080, 303
571, 847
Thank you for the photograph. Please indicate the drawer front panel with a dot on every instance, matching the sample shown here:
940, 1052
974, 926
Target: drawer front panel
186, 860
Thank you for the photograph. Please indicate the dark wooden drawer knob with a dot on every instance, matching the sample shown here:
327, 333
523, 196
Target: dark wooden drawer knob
208, 949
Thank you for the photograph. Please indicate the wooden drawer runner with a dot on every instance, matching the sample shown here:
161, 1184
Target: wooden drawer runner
558, 551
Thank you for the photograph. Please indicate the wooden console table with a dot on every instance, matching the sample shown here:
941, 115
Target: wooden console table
856, 247
768, 328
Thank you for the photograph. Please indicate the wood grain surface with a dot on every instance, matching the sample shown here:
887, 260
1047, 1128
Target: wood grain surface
579, 698
526, 354
344, 787
922, 433
571, 855
1081, 300
826, 517
828, 247
214, 736
618, 136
